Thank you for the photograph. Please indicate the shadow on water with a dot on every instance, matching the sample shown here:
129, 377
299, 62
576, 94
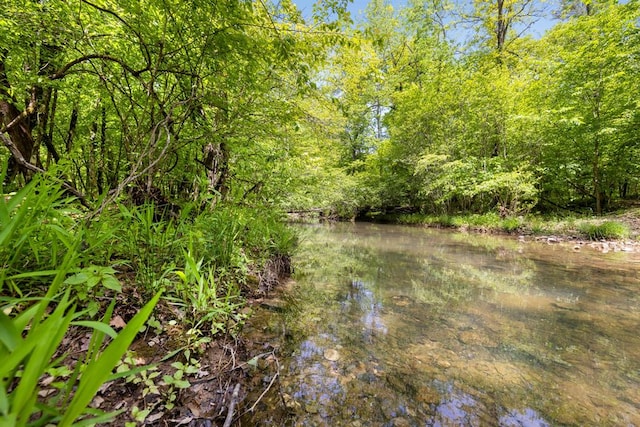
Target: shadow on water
399, 326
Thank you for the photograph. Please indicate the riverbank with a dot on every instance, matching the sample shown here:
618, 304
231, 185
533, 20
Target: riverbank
131, 314
619, 231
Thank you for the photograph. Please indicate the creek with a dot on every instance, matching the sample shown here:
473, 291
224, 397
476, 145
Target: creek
387, 325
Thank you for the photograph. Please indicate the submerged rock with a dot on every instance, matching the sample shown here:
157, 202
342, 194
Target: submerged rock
331, 354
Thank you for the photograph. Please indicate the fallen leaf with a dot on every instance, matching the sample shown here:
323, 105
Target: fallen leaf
46, 392
118, 322
155, 417
185, 420
195, 410
97, 401
47, 381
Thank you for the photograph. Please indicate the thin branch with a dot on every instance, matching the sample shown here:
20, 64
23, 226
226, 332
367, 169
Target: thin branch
63, 71
264, 392
232, 406
17, 155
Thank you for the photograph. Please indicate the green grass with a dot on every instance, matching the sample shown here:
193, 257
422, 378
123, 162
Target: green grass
605, 230
531, 224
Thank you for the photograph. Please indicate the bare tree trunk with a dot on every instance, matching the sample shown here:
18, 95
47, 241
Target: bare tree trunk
597, 185
103, 152
215, 162
91, 160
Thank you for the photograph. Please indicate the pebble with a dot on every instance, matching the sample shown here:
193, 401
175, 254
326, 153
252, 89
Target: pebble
331, 354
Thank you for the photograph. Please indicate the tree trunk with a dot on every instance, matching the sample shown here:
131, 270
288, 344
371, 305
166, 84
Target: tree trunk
215, 162
73, 122
103, 151
13, 123
597, 185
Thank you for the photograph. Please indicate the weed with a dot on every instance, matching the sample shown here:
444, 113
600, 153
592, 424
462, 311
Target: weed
197, 292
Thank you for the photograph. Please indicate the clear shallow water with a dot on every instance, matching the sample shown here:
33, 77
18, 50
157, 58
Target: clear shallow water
401, 326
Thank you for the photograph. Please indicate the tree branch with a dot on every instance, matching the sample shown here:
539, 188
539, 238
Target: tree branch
63, 71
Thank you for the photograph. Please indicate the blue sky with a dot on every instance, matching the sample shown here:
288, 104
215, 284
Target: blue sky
357, 7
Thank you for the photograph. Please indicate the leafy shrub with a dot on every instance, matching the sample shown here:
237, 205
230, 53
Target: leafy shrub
207, 301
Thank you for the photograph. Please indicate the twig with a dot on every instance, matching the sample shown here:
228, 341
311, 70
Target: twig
232, 406
264, 392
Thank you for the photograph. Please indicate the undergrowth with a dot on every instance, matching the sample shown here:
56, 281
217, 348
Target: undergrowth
60, 270
605, 230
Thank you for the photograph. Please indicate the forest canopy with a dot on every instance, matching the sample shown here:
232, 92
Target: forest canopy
437, 107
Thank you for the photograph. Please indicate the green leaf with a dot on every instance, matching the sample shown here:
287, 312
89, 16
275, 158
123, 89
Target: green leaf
253, 362
4, 401
30, 274
182, 384
77, 279
98, 326
93, 281
112, 283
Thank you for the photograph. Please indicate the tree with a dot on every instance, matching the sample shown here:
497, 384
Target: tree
152, 94
590, 93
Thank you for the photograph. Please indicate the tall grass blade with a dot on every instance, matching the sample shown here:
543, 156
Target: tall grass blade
9, 335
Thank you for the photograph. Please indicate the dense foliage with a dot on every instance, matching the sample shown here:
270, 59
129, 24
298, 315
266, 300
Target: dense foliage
450, 109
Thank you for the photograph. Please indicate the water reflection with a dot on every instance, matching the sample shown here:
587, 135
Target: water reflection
361, 302
455, 408
402, 326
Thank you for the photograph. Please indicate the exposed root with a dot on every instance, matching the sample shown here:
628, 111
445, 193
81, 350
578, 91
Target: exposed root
273, 272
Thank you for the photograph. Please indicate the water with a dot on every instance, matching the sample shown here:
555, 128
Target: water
400, 326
